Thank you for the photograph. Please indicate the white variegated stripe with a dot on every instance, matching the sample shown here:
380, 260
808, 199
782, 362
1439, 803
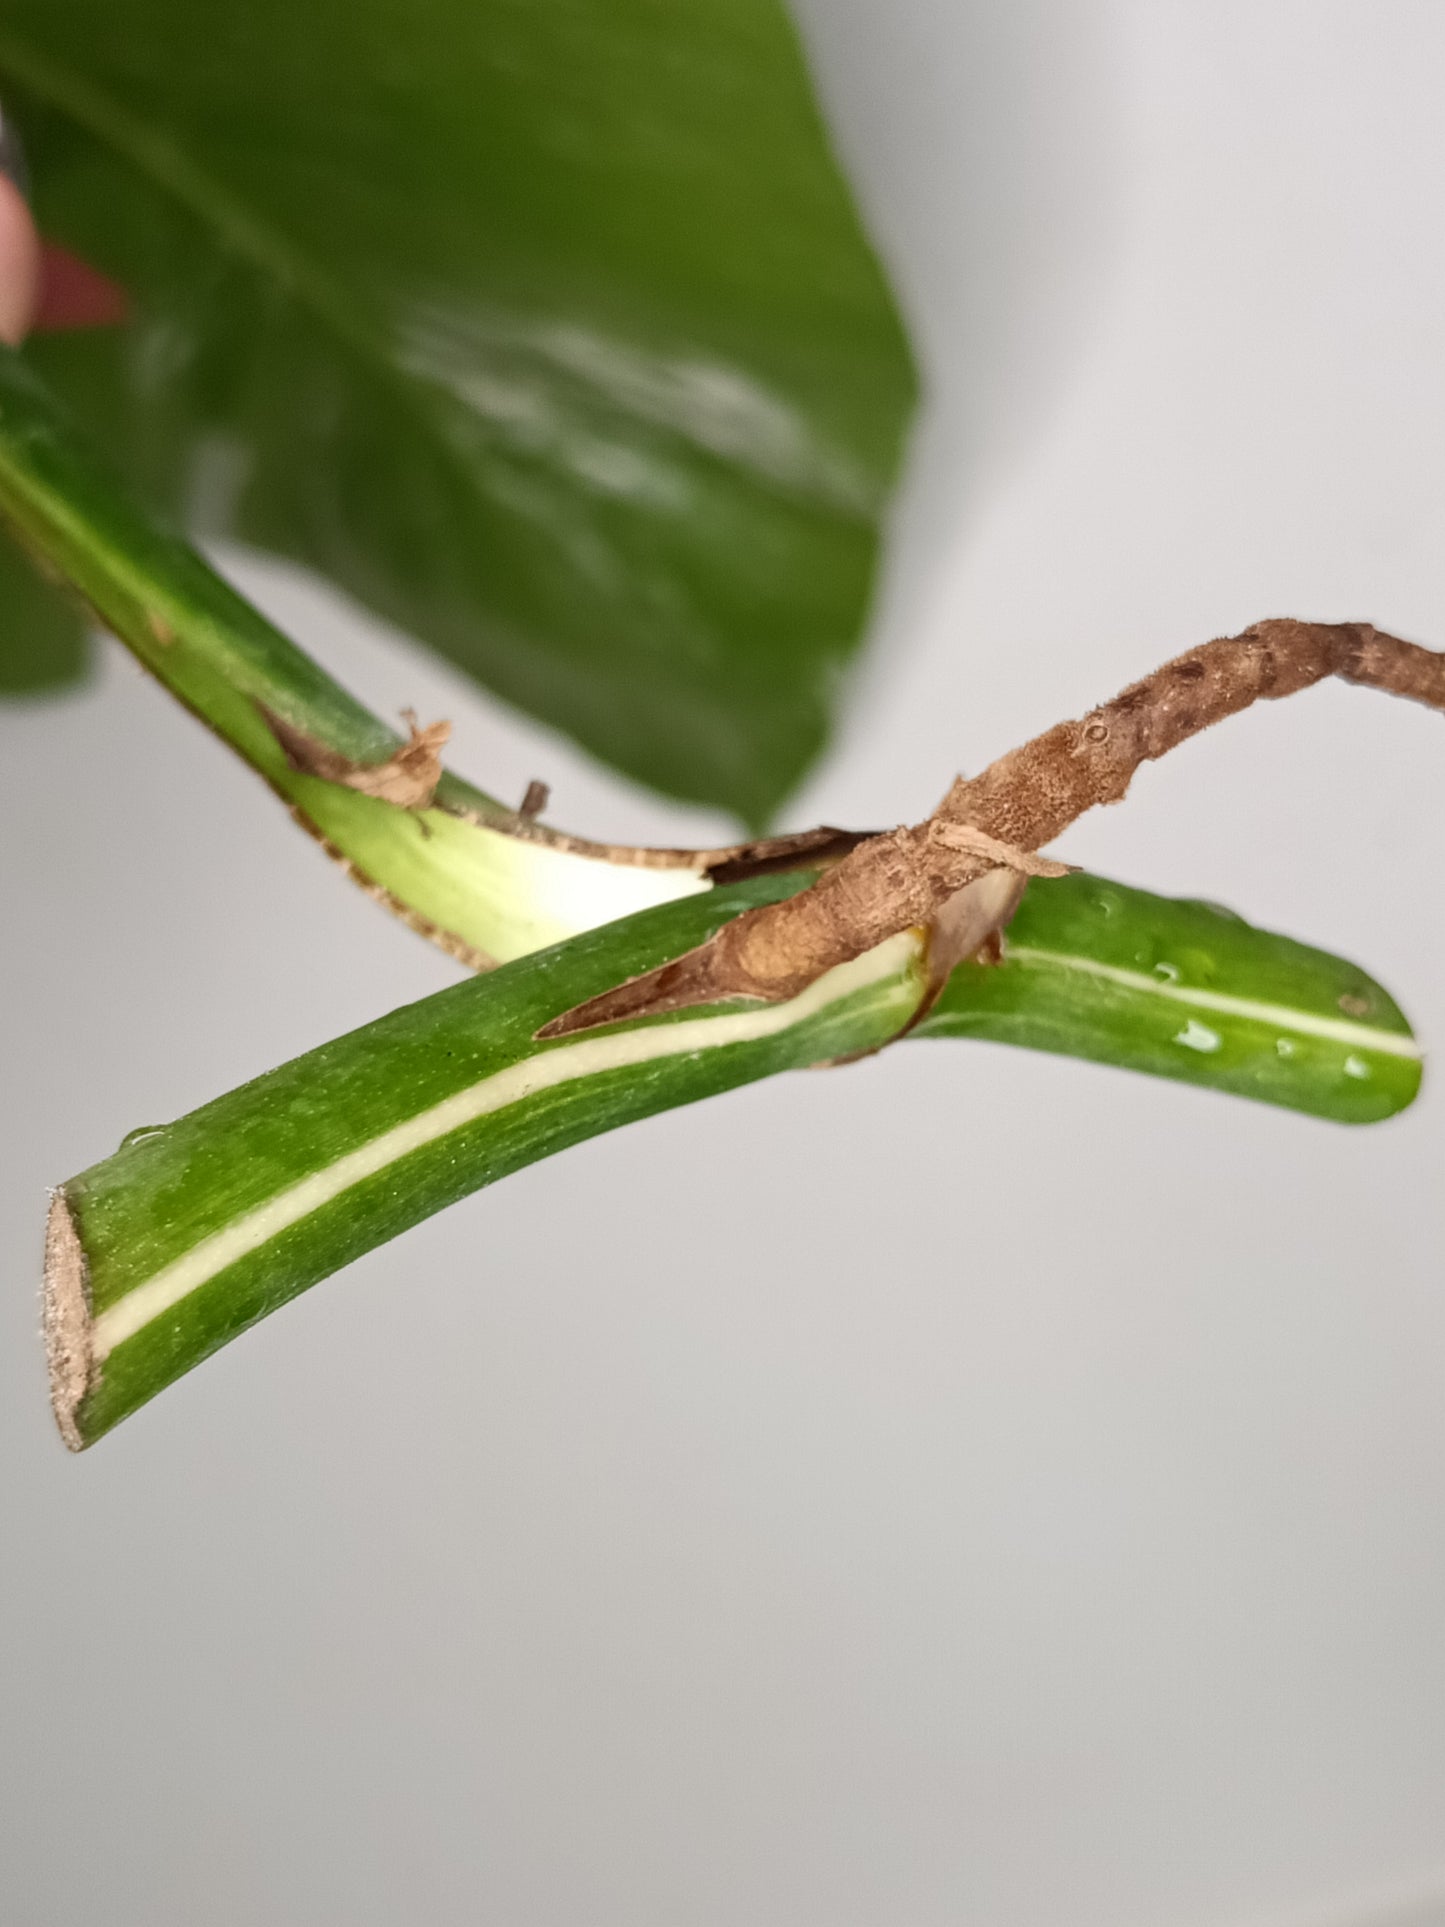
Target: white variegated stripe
1336, 1030
562, 1064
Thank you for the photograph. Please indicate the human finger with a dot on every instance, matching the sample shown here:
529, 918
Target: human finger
19, 244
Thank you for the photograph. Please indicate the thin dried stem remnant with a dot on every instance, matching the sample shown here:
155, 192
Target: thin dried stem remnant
538, 796
728, 863
1000, 819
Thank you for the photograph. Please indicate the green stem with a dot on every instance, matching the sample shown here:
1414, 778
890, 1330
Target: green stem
1188, 991
457, 871
191, 1232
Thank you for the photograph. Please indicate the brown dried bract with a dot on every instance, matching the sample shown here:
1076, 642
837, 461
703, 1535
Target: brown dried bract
921, 876
408, 777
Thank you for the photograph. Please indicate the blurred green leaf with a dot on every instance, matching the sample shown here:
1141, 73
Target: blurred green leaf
44, 642
544, 327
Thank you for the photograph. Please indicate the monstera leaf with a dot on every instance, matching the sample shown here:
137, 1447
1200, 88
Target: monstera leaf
546, 328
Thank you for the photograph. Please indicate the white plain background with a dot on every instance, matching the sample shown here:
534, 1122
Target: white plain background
969, 1488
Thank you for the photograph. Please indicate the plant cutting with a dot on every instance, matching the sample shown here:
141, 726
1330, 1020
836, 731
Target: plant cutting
647, 519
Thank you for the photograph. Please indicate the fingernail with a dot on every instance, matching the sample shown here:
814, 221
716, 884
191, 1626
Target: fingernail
12, 155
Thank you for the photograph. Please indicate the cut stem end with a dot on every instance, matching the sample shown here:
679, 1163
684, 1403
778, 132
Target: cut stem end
69, 1347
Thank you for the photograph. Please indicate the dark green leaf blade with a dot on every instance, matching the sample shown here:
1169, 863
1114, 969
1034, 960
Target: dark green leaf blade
547, 331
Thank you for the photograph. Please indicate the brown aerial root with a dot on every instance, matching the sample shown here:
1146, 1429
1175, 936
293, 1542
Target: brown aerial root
1000, 819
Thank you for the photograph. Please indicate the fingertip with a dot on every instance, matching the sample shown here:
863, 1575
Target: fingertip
19, 265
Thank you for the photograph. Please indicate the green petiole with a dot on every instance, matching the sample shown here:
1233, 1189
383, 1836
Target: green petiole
188, 1234
1188, 991
458, 871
